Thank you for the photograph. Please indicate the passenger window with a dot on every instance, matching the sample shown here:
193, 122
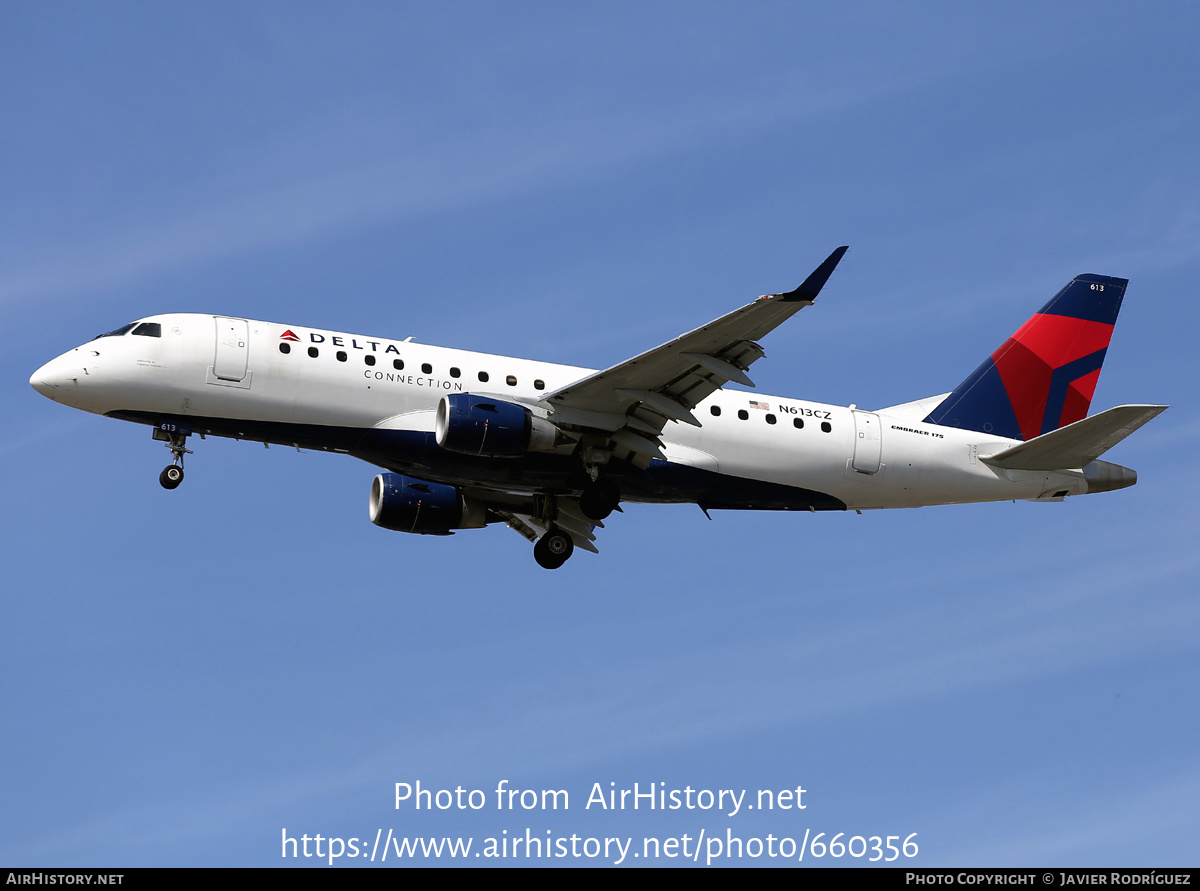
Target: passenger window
798, 423
285, 348
314, 352
370, 360
426, 368
826, 427
770, 419
149, 329
511, 380
483, 377
539, 384
398, 364
743, 414
454, 372
716, 411
341, 356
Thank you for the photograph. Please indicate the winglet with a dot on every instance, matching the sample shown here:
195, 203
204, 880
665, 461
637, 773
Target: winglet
812, 285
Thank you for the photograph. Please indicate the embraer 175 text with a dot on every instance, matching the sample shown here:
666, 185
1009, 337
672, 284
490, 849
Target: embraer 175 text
469, 439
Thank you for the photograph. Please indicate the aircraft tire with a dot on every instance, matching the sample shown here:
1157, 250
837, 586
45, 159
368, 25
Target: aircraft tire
599, 499
553, 549
171, 477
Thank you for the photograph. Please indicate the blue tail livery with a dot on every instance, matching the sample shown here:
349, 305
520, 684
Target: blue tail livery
1042, 377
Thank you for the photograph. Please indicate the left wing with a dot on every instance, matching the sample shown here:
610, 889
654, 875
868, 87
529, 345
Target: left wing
630, 403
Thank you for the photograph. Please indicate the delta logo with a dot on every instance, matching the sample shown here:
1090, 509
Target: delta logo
288, 335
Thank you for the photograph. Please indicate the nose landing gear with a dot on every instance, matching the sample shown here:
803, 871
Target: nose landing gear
174, 436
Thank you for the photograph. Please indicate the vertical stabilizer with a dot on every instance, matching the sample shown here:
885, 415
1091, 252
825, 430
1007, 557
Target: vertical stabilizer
1042, 377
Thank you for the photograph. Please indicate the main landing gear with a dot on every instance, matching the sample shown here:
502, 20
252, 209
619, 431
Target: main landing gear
172, 474
553, 549
600, 498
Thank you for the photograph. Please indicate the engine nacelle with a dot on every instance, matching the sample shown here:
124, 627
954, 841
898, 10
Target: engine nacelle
405, 504
493, 428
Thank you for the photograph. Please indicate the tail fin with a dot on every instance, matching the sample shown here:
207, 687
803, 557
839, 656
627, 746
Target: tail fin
1042, 377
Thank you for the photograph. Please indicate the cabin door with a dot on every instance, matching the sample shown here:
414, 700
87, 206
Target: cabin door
233, 346
867, 443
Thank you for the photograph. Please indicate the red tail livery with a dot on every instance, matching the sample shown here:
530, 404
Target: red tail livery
1042, 377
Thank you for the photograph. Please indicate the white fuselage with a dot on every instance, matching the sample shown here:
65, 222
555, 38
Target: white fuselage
232, 378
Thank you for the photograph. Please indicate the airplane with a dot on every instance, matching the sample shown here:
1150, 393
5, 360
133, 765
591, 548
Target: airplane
468, 439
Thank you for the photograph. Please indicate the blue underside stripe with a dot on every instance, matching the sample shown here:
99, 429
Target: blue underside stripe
417, 454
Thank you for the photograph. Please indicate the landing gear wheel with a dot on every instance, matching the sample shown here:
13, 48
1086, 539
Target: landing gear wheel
174, 436
553, 549
599, 499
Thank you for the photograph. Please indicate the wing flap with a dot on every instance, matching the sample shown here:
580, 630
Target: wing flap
569, 518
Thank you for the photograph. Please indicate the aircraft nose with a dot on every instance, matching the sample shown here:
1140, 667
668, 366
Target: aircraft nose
56, 378
40, 381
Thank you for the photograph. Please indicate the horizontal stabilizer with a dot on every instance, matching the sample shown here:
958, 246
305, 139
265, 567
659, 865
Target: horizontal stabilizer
1078, 444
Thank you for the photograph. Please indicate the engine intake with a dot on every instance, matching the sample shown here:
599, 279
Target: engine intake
493, 428
405, 504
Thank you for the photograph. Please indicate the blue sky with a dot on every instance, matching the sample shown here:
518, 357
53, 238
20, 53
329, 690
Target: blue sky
187, 673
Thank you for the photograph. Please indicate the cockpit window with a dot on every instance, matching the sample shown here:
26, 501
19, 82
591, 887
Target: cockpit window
149, 329
119, 332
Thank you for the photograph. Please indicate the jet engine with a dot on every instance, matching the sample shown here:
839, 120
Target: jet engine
493, 428
404, 504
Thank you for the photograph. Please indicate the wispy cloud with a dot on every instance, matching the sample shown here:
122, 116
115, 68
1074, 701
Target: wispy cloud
1159, 821
680, 698
412, 174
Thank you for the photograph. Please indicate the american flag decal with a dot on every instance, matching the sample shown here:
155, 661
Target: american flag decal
754, 403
